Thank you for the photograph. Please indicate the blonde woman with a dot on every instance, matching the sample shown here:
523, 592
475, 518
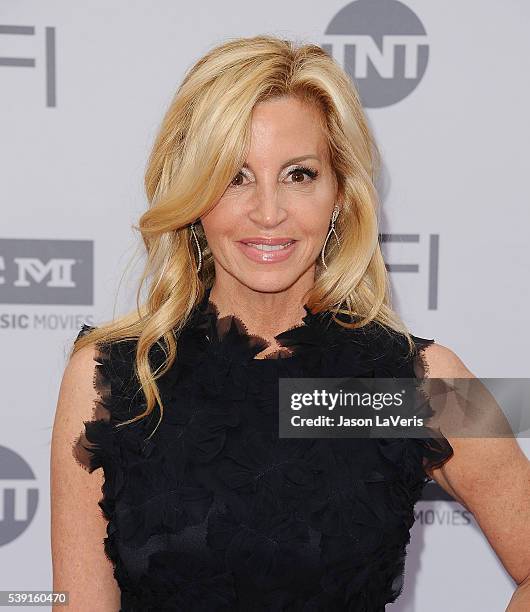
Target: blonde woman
263, 262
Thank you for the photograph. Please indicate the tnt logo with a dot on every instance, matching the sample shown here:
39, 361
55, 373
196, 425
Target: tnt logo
18, 495
46, 271
382, 45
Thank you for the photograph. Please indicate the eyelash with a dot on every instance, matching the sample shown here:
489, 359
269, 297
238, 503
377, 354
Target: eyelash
312, 173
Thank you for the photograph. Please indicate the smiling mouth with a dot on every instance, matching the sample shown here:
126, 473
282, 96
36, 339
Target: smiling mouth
269, 247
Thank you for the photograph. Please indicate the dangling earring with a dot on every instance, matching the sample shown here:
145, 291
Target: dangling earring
334, 216
194, 235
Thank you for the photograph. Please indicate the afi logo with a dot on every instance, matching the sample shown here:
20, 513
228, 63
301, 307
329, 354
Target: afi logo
46, 55
46, 271
382, 45
431, 266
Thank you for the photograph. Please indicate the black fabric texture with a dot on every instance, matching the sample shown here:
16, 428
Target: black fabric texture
215, 511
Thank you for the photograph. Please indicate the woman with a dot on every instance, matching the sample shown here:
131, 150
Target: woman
263, 262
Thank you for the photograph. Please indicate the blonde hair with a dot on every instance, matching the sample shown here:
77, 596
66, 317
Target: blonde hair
201, 145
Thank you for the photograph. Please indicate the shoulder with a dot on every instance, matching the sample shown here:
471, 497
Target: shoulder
488, 472
439, 361
74, 493
76, 398
83, 374
79, 371
97, 392
482, 467
115, 361
443, 362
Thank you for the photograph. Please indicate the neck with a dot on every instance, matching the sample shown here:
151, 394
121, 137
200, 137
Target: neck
264, 313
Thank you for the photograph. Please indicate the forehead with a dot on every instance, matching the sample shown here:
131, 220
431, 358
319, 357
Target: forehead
286, 127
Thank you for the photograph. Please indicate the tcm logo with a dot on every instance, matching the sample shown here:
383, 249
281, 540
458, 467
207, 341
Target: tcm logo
46, 55
18, 495
382, 45
46, 271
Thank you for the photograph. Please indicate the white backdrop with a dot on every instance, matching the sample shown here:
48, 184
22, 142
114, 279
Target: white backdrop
83, 88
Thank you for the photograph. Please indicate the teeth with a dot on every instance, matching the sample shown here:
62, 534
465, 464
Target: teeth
270, 247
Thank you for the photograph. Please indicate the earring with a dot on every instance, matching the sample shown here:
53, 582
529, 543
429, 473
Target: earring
334, 216
194, 235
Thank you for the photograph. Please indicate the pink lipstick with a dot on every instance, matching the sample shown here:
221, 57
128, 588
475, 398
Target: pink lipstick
267, 250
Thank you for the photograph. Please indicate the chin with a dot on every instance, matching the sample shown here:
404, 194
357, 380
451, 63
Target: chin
267, 282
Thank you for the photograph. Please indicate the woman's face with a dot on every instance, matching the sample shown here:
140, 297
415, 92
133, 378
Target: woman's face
284, 194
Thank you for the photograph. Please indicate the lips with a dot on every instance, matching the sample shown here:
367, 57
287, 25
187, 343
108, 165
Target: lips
267, 250
264, 246
267, 241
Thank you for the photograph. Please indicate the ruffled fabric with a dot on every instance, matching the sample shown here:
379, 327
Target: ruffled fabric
216, 512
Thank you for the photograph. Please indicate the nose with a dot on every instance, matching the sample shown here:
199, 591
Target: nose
267, 210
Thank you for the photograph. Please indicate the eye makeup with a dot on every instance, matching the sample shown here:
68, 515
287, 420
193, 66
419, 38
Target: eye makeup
312, 173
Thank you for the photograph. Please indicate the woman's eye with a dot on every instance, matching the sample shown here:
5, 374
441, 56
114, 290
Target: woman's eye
235, 182
300, 173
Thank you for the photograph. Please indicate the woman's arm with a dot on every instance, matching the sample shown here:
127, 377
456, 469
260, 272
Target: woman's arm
78, 526
491, 478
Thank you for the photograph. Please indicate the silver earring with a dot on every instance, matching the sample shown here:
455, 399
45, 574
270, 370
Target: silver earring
194, 235
334, 216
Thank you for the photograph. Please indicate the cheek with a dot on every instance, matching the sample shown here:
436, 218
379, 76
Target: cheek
218, 223
312, 224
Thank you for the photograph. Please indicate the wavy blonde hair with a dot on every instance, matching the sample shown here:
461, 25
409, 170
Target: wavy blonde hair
201, 145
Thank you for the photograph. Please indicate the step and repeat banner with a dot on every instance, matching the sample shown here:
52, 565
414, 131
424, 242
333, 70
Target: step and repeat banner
83, 87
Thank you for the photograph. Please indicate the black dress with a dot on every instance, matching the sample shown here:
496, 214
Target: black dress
216, 512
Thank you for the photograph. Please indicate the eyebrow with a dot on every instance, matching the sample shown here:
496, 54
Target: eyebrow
294, 160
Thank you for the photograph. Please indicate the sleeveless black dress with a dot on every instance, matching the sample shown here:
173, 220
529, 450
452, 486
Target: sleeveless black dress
215, 511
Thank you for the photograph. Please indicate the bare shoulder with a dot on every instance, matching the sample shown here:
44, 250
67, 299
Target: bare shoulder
490, 476
443, 362
75, 402
79, 371
78, 527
